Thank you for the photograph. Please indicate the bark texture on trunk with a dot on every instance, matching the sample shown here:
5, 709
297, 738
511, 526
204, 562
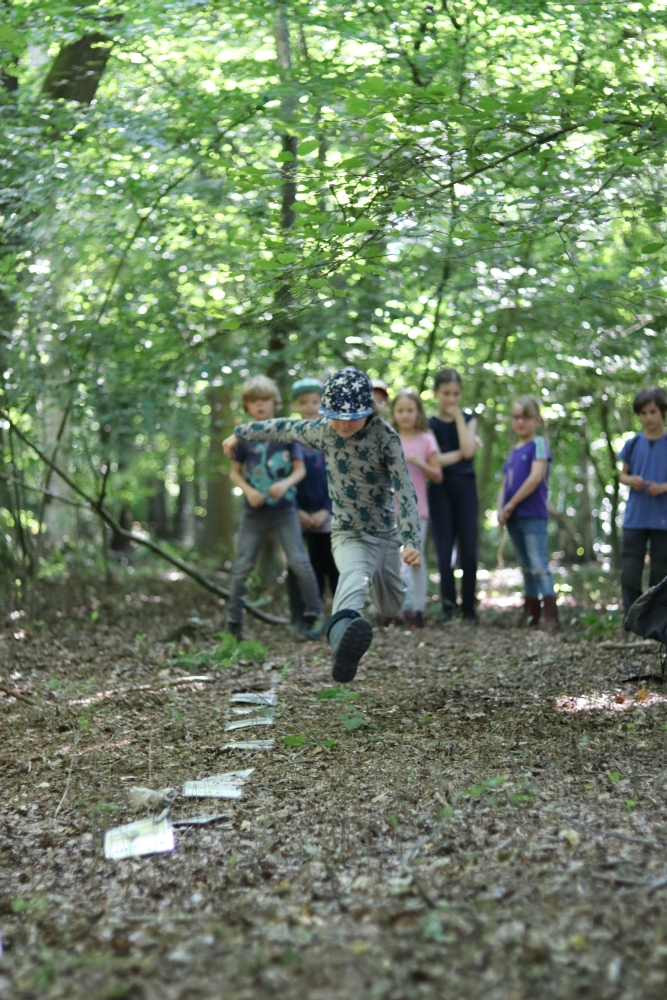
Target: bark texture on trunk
77, 69
220, 517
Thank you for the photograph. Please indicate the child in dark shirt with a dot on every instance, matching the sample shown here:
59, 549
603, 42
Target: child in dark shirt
272, 470
312, 493
453, 502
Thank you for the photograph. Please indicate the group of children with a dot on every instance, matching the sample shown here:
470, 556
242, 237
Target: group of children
349, 495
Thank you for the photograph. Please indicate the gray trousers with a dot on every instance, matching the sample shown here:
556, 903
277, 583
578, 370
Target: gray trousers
255, 524
368, 565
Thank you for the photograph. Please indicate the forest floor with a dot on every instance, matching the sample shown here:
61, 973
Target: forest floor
490, 821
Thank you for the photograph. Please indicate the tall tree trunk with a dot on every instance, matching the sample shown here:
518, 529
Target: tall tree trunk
76, 71
616, 487
158, 521
219, 531
585, 508
179, 527
282, 321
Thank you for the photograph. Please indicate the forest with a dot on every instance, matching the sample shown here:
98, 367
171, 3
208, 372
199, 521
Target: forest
195, 192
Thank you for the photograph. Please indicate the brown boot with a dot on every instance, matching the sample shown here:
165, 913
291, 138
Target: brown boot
551, 623
530, 613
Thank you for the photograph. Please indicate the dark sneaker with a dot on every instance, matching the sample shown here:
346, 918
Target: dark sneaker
309, 628
384, 621
418, 621
235, 629
354, 642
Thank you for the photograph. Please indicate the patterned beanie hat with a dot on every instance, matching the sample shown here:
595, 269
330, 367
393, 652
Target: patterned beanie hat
307, 384
348, 395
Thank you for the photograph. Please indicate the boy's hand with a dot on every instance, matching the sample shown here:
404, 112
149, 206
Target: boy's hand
276, 490
655, 489
319, 517
637, 483
229, 445
411, 557
254, 497
478, 442
505, 514
305, 520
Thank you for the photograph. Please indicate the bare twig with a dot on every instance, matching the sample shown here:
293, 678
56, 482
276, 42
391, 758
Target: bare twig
75, 743
46, 493
99, 508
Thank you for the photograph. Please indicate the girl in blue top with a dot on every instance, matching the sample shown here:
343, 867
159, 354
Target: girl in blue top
522, 507
644, 460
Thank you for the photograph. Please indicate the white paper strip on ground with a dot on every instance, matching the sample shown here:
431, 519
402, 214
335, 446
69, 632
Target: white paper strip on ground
219, 786
249, 745
243, 709
259, 720
255, 698
146, 836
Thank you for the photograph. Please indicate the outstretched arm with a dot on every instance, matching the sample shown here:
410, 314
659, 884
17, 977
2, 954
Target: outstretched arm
406, 499
280, 429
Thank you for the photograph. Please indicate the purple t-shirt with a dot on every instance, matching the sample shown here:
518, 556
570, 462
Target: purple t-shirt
517, 469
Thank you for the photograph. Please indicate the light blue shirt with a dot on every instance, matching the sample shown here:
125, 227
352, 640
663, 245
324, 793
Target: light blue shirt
647, 459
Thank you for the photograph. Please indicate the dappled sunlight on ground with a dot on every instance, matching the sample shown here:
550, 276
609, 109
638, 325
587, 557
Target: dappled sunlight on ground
610, 701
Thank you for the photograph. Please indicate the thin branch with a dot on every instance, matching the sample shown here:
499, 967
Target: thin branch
95, 505
38, 489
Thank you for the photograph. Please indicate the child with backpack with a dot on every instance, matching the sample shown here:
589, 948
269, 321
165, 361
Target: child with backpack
423, 458
522, 507
644, 460
453, 502
268, 474
367, 472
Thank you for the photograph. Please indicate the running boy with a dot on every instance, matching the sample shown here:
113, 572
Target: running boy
269, 484
366, 470
644, 460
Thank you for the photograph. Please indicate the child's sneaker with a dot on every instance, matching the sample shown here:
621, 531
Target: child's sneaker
308, 628
354, 642
235, 629
417, 620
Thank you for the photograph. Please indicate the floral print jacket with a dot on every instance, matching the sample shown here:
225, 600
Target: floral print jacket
367, 473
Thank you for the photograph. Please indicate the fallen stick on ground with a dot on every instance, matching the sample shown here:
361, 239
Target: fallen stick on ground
659, 842
145, 688
98, 507
631, 647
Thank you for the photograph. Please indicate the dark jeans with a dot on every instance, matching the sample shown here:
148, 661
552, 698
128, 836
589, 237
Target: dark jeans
253, 527
453, 507
324, 567
635, 543
529, 538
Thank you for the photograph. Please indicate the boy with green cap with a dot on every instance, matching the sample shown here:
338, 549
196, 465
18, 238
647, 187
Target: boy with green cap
369, 482
312, 495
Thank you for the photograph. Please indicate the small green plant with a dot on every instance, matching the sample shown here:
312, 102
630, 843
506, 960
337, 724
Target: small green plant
248, 649
630, 804
18, 905
613, 778
294, 741
355, 720
302, 740
336, 694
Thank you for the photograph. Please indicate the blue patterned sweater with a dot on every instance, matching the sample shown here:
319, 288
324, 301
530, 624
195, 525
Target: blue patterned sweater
367, 473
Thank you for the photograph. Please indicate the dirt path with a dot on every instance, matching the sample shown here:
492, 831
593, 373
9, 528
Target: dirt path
472, 834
